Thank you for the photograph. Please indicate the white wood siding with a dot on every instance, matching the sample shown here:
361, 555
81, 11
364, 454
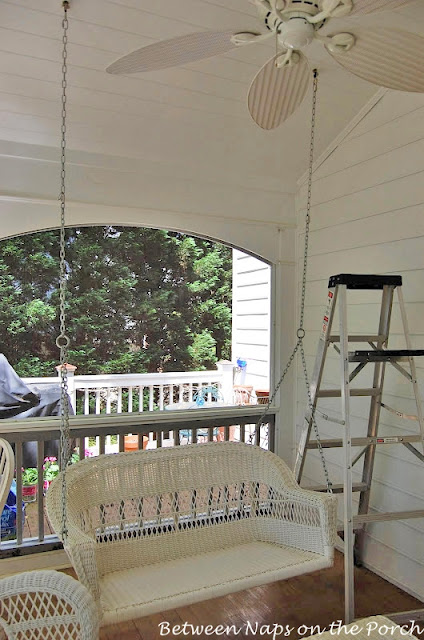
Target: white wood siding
367, 217
251, 319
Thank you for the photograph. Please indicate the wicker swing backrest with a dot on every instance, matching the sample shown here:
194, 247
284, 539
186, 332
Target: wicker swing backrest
47, 605
7, 466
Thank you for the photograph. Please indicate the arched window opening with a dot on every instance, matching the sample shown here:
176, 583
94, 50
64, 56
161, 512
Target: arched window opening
160, 323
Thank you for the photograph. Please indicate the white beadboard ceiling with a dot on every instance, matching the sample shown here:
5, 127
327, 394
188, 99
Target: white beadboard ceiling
191, 120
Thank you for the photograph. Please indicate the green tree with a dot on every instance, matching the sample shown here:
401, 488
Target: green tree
203, 350
137, 300
209, 281
29, 272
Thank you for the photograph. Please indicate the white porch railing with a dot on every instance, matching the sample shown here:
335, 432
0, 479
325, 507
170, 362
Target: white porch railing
138, 392
170, 428
141, 392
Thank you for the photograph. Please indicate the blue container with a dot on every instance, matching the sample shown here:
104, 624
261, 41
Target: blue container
8, 517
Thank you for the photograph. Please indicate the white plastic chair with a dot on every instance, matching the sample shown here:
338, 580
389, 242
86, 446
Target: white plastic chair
47, 605
7, 465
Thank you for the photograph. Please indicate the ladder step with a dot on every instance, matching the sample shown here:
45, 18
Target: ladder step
364, 281
358, 521
338, 488
340, 526
359, 338
336, 393
383, 517
365, 441
385, 355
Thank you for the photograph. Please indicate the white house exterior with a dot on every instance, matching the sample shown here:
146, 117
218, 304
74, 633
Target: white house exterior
251, 325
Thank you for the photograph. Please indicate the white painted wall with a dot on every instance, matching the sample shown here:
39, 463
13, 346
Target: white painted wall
367, 217
251, 319
108, 189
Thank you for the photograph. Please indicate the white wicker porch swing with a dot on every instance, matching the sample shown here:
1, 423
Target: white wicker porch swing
152, 530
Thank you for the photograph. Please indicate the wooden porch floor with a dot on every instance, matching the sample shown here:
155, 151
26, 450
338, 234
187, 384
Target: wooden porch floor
315, 599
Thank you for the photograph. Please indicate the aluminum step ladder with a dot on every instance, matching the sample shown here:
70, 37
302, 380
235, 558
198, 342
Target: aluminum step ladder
377, 356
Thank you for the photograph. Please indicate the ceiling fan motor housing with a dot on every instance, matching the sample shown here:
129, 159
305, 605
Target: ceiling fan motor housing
296, 33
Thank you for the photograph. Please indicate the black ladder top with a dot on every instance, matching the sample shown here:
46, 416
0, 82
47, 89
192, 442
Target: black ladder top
364, 281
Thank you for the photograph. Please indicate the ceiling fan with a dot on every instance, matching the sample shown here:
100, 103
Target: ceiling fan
387, 57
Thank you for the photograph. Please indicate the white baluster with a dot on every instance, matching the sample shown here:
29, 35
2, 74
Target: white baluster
86, 402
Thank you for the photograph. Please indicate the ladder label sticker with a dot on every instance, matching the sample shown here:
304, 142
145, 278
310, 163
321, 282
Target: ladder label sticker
326, 315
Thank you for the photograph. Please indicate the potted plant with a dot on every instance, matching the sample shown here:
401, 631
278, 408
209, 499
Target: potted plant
29, 484
50, 470
75, 457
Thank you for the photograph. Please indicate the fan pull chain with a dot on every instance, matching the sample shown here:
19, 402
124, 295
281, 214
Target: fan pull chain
301, 331
62, 340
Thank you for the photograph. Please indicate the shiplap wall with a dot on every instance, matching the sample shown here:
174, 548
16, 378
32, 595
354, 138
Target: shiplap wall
368, 217
251, 319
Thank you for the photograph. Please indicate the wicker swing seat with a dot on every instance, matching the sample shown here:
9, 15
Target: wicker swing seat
154, 530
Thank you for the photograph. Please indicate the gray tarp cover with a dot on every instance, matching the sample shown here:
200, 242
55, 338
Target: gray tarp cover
20, 401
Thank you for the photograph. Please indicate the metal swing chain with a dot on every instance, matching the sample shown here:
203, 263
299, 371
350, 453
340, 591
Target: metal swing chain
62, 340
301, 331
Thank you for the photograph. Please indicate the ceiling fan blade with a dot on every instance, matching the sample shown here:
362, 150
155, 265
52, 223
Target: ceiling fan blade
276, 93
371, 6
174, 52
387, 57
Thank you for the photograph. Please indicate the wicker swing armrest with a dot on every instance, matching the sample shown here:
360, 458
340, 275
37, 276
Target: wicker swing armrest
312, 503
81, 550
80, 547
